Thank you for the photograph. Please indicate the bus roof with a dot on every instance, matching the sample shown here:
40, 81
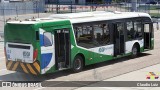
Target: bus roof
84, 17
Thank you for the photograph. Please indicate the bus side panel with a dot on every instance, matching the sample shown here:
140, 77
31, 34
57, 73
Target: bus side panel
129, 45
91, 56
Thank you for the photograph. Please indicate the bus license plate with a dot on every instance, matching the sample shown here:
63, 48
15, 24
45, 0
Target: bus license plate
26, 54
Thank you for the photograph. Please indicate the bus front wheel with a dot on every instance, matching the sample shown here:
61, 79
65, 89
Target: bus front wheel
77, 64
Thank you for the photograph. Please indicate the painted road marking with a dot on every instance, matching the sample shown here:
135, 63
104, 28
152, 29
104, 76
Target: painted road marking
3, 70
2, 58
39, 88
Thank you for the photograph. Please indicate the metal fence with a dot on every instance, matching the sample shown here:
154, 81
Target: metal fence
39, 6
68, 7
83, 8
18, 8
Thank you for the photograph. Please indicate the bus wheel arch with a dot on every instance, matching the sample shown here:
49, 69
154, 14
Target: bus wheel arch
138, 46
83, 57
80, 59
135, 50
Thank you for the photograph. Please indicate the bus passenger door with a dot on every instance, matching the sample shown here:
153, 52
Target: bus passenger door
47, 50
147, 35
119, 39
62, 48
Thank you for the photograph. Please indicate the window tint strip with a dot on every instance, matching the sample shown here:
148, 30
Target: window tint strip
18, 46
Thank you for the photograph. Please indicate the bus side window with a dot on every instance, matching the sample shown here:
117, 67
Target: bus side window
47, 39
102, 34
106, 34
84, 36
146, 28
138, 29
130, 30
97, 35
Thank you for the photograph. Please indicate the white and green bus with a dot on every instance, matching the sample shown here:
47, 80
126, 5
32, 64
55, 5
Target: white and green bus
74, 40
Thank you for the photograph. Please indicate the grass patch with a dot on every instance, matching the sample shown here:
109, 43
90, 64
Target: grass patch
149, 7
155, 15
146, 7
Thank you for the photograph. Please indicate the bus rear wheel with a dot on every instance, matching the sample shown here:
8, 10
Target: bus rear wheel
77, 64
134, 51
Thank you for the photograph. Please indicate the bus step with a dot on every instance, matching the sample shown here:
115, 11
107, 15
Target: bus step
119, 55
61, 65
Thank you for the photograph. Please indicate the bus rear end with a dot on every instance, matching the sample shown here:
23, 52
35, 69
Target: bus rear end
20, 48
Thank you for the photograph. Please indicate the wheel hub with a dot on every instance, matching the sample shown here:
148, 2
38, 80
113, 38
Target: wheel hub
78, 64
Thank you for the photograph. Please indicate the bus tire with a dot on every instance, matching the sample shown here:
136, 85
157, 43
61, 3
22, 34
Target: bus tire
77, 64
134, 51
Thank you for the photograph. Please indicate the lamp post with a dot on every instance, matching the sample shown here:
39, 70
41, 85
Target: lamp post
158, 8
57, 2
37, 9
71, 7
92, 5
134, 6
35, 5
